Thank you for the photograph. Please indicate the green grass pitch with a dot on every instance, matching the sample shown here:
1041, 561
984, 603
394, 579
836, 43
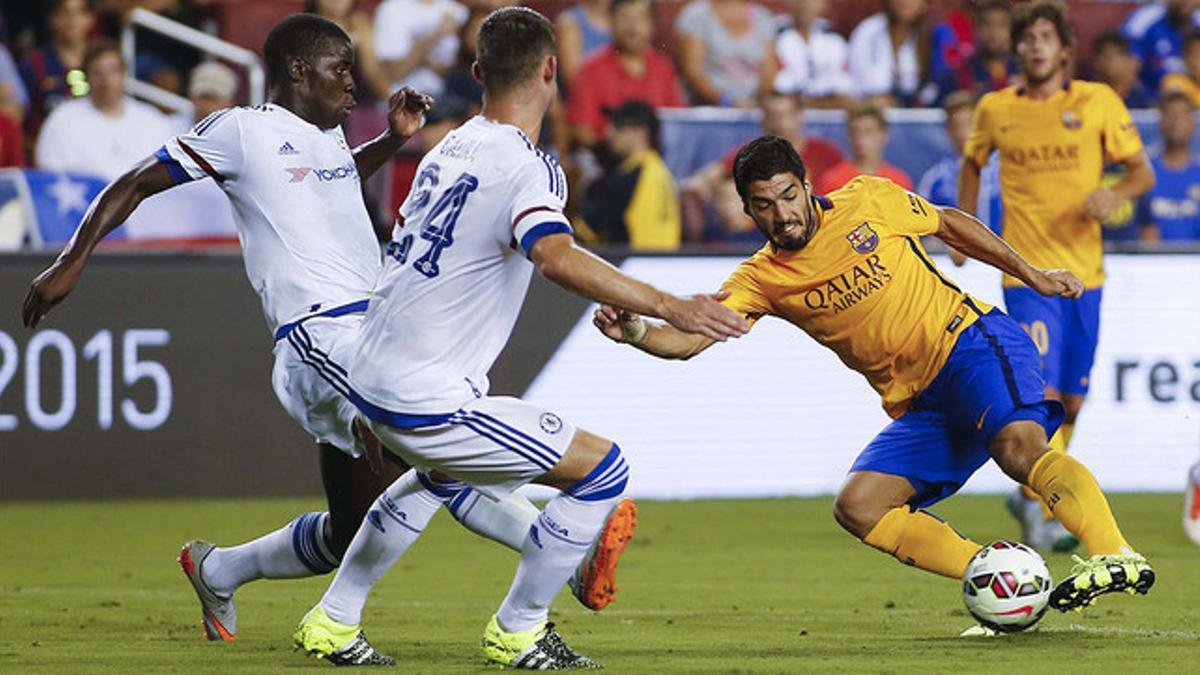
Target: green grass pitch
708, 586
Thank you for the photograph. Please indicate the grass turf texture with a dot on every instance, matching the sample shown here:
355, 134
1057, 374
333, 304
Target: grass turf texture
714, 586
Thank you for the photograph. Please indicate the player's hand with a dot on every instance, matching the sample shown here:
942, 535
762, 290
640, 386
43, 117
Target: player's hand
406, 111
1060, 283
48, 289
1100, 203
704, 314
619, 325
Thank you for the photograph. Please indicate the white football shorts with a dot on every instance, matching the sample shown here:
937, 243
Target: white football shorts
494, 444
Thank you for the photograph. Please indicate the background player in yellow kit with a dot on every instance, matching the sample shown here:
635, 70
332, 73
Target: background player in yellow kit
960, 379
1055, 136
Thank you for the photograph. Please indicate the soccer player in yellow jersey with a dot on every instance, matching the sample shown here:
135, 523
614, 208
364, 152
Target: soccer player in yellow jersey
1054, 137
960, 379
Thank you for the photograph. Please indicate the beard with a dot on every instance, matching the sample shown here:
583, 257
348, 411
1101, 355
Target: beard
798, 233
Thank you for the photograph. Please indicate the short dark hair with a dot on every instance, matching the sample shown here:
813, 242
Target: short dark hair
99, 48
513, 41
978, 9
867, 109
1051, 10
764, 158
1110, 38
300, 36
958, 101
1175, 96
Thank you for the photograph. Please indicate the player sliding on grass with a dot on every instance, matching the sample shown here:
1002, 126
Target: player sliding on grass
485, 203
959, 378
311, 254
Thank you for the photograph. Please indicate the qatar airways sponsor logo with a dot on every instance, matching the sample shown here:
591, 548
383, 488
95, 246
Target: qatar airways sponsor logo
297, 174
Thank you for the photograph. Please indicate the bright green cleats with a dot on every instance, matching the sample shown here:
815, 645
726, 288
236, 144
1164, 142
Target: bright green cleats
539, 648
335, 642
1099, 575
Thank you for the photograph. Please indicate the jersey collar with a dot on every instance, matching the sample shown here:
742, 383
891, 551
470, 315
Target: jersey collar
1066, 87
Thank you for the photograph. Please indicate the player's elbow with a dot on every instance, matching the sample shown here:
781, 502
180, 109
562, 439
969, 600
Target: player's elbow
551, 255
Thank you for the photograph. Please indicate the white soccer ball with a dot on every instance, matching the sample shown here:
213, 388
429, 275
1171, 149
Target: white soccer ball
1007, 586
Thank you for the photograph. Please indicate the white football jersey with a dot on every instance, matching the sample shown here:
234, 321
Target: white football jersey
455, 273
307, 240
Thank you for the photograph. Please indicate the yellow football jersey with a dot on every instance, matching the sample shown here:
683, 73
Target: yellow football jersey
1052, 153
864, 287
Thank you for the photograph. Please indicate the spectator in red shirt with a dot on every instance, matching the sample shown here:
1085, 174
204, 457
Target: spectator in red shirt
782, 115
868, 131
12, 142
629, 69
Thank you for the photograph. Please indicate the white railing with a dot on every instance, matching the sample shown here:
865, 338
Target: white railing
194, 38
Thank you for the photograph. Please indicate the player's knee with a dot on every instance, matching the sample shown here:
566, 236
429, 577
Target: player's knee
607, 480
856, 514
1017, 447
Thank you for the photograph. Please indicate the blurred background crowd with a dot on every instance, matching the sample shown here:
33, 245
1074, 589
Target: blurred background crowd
656, 95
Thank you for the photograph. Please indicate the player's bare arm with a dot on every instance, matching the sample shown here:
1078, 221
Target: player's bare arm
968, 193
1139, 178
560, 260
106, 213
965, 233
656, 339
406, 115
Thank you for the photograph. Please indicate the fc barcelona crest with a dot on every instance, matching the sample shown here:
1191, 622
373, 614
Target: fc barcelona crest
1070, 120
863, 239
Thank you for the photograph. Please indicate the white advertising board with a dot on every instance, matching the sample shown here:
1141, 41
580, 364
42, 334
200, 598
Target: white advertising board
775, 414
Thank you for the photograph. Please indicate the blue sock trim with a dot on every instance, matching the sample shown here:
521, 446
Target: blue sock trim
442, 491
606, 481
455, 505
308, 541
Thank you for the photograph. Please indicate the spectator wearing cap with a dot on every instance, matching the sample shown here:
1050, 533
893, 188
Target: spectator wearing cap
990, 66
722, 44
1187, 82
212, 86
1155, 36
105, 133
52, 71
416, 41
584, 29
636, 202
703, 192
1114, 65
868, 131
629, 69
1170, 211
809, 60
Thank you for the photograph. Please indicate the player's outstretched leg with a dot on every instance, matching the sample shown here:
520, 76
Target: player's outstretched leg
593, 475
874, 507
1073, 495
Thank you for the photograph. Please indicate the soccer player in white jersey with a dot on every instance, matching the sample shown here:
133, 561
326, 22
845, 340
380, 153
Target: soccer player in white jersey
311, 254
484, 205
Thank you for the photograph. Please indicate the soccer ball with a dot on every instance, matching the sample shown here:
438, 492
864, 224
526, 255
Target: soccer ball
1007, 586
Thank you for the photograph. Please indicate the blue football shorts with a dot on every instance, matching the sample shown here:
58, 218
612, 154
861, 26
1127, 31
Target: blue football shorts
1064, 331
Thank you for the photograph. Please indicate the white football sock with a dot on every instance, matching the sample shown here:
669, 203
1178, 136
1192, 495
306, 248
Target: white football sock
506, 522
550, 554
393, 524
297, 550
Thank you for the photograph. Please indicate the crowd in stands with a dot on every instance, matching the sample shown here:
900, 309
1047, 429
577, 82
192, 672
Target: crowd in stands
64, 106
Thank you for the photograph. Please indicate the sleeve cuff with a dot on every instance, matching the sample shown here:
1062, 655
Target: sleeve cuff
540, 230
178, 173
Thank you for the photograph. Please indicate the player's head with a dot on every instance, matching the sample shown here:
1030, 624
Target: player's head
309, 68
104, 68
1176, 119
1042, 39
959, 107
773, 183
517, 56
993, 26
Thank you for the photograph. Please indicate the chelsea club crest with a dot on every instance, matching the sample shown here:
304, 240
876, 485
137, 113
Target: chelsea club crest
550, 423
863, 239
